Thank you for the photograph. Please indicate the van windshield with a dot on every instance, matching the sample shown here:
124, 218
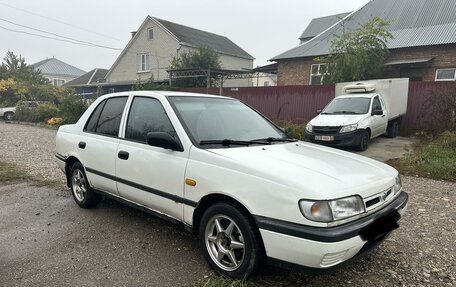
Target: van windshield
347, 106
227, 122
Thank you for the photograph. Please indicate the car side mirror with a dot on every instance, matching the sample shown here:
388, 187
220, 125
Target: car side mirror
377, 112
163, 140
319, 112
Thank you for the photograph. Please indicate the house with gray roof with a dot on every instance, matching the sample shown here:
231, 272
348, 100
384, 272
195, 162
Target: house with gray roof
156, 42
88, 85
318, 25
423, 47
57, 72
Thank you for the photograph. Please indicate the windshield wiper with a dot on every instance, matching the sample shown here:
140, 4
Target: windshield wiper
274, 140
228, 142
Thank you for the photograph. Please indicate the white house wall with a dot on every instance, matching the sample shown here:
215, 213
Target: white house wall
162, 48
236, 63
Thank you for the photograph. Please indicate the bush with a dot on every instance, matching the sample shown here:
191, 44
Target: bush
294, 130
46, 111
71, 108
24, 113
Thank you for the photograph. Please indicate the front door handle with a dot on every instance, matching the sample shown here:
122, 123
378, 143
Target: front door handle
123, 155
82, 145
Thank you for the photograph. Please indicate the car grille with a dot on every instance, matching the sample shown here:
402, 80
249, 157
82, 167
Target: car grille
378, 199
326, 130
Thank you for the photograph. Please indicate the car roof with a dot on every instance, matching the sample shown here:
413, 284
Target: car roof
357, 95
165, 94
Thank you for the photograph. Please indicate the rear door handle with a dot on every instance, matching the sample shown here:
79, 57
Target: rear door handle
123, 155
82, 145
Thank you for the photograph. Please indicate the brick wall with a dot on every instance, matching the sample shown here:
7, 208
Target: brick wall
297, 71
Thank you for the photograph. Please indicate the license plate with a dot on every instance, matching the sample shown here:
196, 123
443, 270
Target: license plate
324, 138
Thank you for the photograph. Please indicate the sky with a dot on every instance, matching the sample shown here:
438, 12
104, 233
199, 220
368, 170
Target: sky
263, 28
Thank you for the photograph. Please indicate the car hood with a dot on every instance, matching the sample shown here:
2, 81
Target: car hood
335, 120
319, 172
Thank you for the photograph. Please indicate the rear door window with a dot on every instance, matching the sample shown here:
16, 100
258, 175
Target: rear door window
106, 118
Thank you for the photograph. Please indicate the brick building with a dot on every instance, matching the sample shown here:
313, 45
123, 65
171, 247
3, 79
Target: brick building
423, 47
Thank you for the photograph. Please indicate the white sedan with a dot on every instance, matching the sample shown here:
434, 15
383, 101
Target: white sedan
251, 193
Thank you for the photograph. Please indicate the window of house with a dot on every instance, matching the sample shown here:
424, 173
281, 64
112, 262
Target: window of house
106, 117
147, 115
143, 63
445, 74
150, 33
58, 82
266, 83
317, 73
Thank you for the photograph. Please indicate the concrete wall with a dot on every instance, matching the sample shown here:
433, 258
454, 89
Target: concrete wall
297, 71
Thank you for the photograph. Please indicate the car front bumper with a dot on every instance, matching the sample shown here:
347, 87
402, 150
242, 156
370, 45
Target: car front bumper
297, 246
340, 140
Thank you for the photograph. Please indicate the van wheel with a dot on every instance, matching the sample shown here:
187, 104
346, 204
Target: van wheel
230, 241
84, 196
393, 130
364, 142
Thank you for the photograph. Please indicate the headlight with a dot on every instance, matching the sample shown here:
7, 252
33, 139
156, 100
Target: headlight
349, 128
332, 210
309, 128
398, 185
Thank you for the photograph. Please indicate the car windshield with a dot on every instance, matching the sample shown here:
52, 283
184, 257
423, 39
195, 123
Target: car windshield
342, 106
222, 121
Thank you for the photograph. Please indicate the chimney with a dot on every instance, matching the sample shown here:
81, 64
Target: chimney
133, 33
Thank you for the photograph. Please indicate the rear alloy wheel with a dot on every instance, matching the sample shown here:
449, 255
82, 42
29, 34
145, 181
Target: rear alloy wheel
230, 241
364, 142
84, 196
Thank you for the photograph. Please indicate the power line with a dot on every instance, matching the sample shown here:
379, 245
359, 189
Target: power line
64, 37
61, 22
53, 38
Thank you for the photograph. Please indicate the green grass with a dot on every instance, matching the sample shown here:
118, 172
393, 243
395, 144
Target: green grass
53, 184
10, 173
433, 158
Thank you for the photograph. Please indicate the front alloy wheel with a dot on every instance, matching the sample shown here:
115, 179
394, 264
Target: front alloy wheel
225, 242
231, 241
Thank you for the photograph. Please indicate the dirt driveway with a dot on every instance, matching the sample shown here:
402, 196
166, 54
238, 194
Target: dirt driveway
46, 240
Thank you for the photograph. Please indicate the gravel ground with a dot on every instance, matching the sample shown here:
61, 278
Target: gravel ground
421, 253
32, 148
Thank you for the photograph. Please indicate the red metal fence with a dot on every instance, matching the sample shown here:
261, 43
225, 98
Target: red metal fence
300, 103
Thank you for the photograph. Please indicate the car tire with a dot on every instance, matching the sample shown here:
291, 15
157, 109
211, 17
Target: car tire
393, 129
364, 141
8, 116
231, 242
83, 194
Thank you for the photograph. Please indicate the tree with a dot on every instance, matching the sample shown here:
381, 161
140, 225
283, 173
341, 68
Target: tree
203, 58
15, 67
21, 82
358, 54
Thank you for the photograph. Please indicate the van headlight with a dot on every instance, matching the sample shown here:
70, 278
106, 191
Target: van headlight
309, 128
332, 210
398, 185
349, 128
